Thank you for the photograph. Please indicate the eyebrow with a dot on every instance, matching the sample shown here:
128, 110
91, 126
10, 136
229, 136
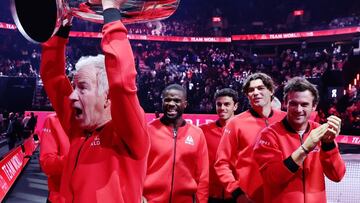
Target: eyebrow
257, 86
82, 82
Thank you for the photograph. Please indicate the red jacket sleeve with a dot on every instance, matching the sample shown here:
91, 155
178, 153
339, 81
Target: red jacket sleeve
271, 160
226, 158
56, 84
127, 115
332, 164
51, 161
202, 193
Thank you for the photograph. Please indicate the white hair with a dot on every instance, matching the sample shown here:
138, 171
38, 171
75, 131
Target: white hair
97, 62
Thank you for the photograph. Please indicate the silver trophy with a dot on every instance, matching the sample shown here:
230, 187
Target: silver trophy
39, 20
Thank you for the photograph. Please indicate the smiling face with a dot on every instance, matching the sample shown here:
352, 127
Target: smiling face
225, 107
173, 104
258, 94
299, 107
88, 104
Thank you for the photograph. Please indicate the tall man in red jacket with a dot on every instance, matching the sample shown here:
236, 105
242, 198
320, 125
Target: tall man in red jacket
295, 153
101, 115
178, 165
226, 103
54, 147
235, 164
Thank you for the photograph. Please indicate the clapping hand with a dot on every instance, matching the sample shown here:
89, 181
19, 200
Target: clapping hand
333, 130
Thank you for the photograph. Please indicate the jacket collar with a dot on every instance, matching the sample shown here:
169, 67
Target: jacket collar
288, 127
255, 114
164, 120
89, 133
217, 123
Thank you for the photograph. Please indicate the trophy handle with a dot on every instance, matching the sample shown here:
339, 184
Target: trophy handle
51, 13
41, 26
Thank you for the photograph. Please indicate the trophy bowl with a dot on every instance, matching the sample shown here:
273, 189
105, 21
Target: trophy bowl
39, 20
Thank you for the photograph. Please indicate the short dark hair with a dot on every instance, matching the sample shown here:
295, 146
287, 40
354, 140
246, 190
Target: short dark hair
174, 87
227, 92
298, 84
267, 80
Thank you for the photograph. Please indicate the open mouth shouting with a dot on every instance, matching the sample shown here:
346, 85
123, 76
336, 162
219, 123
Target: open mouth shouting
78, 112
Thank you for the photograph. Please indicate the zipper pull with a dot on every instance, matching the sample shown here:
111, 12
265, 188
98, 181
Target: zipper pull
175, 132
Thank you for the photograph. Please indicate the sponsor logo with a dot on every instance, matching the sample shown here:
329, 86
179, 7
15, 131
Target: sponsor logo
227, 131
46, 130
95, 142
264, 142
189, 140
12, 167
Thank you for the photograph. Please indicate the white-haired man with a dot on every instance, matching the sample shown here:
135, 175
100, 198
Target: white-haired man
101, 115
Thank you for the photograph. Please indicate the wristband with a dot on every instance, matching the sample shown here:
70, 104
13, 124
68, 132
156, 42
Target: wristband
305, 150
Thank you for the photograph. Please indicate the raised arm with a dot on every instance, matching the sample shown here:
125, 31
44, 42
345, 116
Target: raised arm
127, 114
52, 72
331, 161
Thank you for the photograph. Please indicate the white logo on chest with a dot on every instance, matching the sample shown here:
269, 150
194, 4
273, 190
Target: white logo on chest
189, 140
227, 131
96, 141
46, 130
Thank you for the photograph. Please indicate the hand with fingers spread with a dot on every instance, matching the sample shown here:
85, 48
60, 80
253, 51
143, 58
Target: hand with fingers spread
333, 130
316, 135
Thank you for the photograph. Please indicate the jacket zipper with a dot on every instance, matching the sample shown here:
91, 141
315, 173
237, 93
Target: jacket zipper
173, 166
303, 171
76, 162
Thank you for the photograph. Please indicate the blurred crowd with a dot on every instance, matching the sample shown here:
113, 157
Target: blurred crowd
16, 126
203, 68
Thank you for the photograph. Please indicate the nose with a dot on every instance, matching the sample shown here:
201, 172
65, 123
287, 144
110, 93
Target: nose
171, 103
256, 91
299, 108
73, 96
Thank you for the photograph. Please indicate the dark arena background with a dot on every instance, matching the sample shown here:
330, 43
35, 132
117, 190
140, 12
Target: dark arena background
206, 45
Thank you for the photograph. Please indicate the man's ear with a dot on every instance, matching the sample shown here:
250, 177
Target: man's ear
314, 107
236, 106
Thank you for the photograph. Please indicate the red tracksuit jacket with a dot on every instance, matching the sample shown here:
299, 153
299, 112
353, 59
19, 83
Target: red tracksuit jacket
178, 165
54, 147
213, 133
235, 164
284, 180
108, 165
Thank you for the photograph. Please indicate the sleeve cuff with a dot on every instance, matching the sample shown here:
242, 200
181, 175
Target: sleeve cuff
111, 15
290, 164
328, 146
237, 192
63, 31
